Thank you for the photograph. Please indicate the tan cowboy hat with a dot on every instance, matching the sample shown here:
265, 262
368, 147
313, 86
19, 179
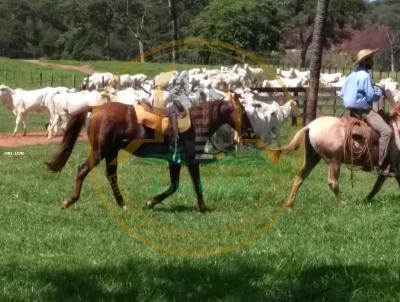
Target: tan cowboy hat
365, 54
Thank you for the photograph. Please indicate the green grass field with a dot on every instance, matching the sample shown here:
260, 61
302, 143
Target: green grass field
244, 249
318, 252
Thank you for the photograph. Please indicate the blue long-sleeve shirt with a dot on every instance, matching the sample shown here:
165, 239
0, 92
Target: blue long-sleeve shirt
358, 92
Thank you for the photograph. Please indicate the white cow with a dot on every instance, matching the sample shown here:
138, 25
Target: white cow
288, 74
253, 75
130, 96
392, 86
284, 82
267, 119
21, 102
327, 79
66, 103
98, 81
138, 80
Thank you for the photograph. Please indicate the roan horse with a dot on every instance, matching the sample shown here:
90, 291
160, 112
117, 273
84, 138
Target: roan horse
326, 138
114, 126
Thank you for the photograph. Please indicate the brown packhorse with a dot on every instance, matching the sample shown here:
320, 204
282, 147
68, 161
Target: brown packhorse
326, 138
114, 126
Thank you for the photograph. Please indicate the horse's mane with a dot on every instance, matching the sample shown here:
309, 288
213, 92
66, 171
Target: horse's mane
203, 113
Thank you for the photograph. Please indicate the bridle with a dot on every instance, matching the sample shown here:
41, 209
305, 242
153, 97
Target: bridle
238, 110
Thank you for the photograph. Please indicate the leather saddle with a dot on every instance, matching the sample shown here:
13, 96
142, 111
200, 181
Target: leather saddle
159, 118
361, 143
360, 130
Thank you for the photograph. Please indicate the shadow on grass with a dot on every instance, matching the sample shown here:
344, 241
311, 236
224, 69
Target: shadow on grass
181, 209
174, 208
227, 281
344, 283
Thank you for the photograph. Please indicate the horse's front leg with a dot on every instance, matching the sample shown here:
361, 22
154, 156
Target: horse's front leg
194, 170
174, 173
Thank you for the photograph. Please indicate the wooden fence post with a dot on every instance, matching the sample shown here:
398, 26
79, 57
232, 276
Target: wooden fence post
40, 79
334, 95
73, 81
305, 106
296, 97
6, 74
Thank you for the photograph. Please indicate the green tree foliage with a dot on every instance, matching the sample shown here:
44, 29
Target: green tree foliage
88, 29
252, 24
387, 13
299, 21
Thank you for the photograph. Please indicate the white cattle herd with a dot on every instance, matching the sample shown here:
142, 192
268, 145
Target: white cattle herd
189, 86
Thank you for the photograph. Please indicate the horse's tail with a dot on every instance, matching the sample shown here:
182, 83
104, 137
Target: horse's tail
71, 134
293, 145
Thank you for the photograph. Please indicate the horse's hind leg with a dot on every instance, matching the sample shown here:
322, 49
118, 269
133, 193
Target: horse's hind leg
112, 176
377, 187
310, 161
83, 171
174, 173
194, 170
333, 180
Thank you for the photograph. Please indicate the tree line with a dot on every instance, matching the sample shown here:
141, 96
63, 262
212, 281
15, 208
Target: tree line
122, 29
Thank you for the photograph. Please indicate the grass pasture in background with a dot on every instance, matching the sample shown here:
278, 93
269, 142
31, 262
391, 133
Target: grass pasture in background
25, 75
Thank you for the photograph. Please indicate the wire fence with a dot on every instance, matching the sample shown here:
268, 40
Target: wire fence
38, 79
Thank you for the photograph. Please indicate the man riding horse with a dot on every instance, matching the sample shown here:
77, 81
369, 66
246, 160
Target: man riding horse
359, 94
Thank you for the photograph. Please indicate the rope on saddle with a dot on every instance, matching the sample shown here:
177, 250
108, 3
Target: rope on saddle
353, 154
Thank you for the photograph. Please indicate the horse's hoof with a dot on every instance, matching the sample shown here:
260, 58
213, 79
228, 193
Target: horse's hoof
67, 204
124, 207
289, 208
150, 204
